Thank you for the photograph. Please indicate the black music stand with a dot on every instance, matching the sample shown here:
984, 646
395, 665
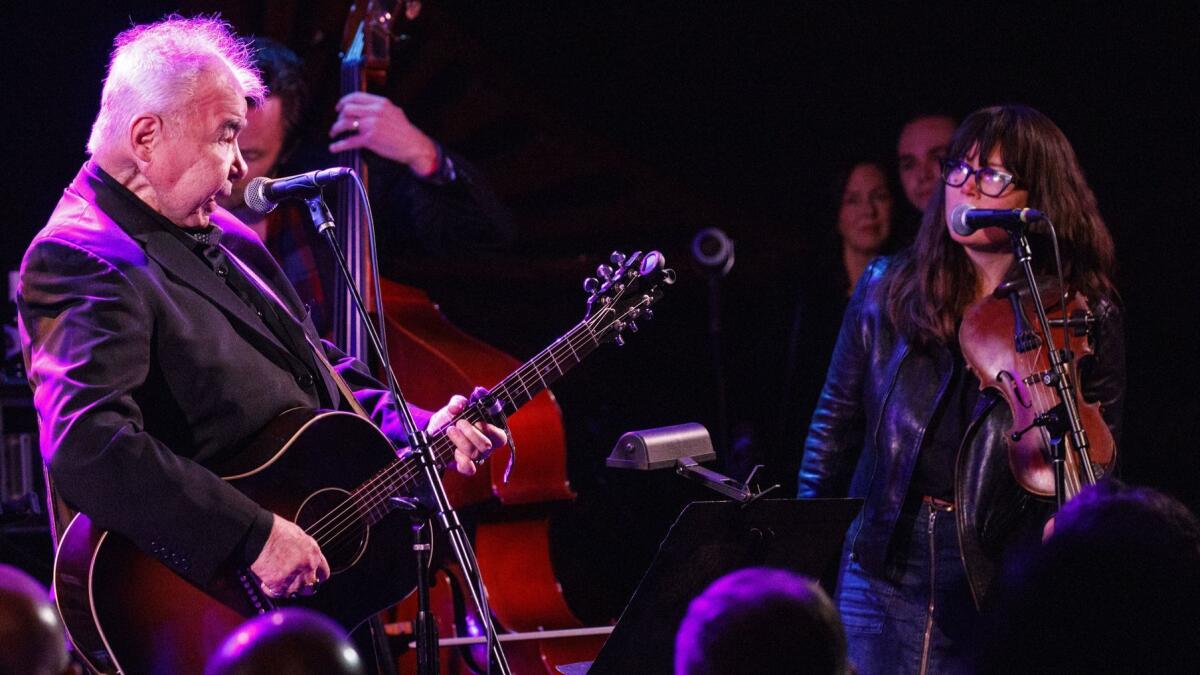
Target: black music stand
708, 540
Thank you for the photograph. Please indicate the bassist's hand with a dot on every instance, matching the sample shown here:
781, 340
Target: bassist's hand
374, 123
290, 562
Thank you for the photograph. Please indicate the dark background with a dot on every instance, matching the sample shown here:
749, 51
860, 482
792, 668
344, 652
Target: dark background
634, 124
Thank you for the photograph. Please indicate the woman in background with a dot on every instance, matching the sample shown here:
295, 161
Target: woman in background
864, 220
861, 201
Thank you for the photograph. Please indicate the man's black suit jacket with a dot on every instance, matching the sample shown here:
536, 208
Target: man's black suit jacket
146, 367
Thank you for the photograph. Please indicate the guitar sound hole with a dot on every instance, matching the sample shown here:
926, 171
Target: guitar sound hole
329, 517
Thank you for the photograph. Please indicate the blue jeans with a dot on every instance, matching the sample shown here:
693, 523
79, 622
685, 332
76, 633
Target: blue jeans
924, 623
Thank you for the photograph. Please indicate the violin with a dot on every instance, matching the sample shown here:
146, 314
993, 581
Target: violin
1003, 345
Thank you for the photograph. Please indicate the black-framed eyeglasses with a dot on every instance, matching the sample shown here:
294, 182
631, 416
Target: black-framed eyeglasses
988, 180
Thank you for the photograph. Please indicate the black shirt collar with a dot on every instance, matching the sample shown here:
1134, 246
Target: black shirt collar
185, 235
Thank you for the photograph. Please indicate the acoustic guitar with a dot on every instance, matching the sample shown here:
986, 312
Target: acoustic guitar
339, 478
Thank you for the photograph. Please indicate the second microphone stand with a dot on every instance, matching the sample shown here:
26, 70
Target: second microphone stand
1060, 374
418, 442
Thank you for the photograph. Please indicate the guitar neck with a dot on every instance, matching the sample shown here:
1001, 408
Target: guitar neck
526, 382
614, 306
510, 394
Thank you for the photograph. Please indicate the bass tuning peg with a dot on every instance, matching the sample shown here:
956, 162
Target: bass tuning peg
591, 285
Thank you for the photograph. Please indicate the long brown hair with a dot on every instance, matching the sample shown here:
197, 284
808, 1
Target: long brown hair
930, 284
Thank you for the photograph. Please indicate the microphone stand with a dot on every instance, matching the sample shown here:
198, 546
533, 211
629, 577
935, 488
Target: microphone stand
1063, 419
418, 443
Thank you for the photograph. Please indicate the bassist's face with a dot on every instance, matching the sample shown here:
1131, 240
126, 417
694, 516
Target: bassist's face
262, 143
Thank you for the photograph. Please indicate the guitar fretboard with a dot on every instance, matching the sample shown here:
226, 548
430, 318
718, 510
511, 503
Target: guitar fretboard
370, 501
514, 391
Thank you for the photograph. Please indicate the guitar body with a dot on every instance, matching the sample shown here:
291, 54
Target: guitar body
128, 612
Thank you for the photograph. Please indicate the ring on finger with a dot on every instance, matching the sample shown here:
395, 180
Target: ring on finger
354, 125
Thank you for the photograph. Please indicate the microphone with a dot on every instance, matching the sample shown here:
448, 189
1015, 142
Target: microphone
966, 219
264, 194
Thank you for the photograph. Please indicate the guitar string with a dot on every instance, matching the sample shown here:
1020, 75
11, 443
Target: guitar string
376, 490
385, 480
385, 483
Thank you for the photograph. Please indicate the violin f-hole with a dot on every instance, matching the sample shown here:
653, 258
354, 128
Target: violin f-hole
1004, 377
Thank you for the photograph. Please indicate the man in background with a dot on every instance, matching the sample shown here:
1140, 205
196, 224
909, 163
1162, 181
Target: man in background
920, 150
427, 202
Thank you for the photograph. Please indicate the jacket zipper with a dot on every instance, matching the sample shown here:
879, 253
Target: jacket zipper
932, 585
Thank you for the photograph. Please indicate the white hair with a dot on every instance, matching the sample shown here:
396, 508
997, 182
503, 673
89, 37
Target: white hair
155, 69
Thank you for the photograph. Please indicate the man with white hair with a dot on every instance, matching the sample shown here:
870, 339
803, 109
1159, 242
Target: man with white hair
160, 335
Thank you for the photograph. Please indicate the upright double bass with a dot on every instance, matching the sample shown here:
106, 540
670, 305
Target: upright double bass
434, 360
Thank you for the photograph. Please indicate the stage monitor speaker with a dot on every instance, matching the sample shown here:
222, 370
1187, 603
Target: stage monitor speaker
707, 541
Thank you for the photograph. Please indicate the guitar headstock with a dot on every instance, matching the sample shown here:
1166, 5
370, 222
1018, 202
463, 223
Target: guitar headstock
622, 292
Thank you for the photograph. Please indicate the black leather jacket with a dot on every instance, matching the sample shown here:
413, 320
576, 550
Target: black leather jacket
879, 395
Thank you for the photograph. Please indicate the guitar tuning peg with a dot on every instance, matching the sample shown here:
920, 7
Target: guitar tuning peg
604, 272
633, 326
619, 340
591, 285
617, 258
648, 313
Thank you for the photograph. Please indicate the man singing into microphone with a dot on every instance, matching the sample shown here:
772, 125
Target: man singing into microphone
159, 333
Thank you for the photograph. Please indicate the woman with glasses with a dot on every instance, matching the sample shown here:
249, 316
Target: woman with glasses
901, 422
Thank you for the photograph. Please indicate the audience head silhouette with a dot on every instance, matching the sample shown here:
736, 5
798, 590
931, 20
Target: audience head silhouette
764, 621
1115, 589
287, 641
32, 640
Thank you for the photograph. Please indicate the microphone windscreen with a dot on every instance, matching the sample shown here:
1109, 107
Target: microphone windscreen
255, 198
958, 220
